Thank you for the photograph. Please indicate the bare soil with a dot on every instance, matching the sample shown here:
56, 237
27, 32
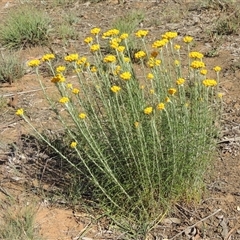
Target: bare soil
26, 170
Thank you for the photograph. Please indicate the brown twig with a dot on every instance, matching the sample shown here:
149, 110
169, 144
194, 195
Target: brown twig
203, 219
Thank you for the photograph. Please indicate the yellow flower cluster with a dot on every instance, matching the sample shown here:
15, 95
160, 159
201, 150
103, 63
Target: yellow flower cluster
109, 59
71, 57
20, 112
172, 91
141, 33
203, 71
187, 39
197, 64
82, 115
95, 47
73, 144
123, 36
110, 33
48, 57
60, 69
140, 54
209, 82
34, 63
180, 81
95, 31
126, 76
161, 106
160, 43
58, 78
120, 48
115, 89
64, 100
148, 110
196, 55
217, 69
150, 76
169, 35
114, 43
177, 47
75, 91
88, 40
152, 62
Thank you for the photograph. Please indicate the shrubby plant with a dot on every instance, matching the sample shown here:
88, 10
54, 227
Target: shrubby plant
143, 133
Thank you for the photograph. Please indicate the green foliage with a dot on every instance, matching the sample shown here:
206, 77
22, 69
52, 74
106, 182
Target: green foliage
24, 27
141, 138
11, 67
16, 223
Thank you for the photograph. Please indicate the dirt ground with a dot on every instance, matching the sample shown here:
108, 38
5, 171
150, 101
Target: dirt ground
23, 167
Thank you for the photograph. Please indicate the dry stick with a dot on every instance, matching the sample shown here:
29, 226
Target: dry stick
234, 139
20, 93
196, 223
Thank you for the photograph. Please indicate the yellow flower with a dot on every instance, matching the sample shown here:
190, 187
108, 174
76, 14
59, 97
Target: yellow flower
217, 69
95, 47
64, 100
151, 91
148, 110
177, 63
152, 62
169, 35
88, 40
71, 57
60, 69
197, 64
160, 43
121, 49
187, 39
95, 31
34, 63
82, 115
69, 86
196, 55
180, 81
203, 71
126, 59
172, 91
82, 61
123, 36
20, 112
209, 82
177, 47
141, 33
167, 99
93, 69
140, 54
58, 78
110, 33
75, 91
126, 75
73, 144
48, 57
109, 59
136, 124
150, 76
115, 89
114, 43
161, 106
219, 95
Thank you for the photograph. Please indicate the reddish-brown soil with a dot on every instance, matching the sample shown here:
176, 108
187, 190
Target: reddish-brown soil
217, 216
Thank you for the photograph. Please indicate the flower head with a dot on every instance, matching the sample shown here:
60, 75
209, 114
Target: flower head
219, 95
126, 76
172, 91
109, 59
161, 106
187, 39
110, 33
88, 40
48, 57
60, 69
71, 57
160, 43
20, 112
95, 47
73, 144
58, 78
209, 82
177, 47
95, 31
169, 35
196, 55
75, 91
148, 110
203, 71
217, 69
180, 81
115, 89
123, 36
34, 63
141, 33
197, 64
120, 48
136, 124
150, 76
152, 62
140, 54
93, 69
82, 115
64, 100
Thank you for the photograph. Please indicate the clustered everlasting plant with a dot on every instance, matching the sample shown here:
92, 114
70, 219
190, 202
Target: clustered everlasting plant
143, 133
